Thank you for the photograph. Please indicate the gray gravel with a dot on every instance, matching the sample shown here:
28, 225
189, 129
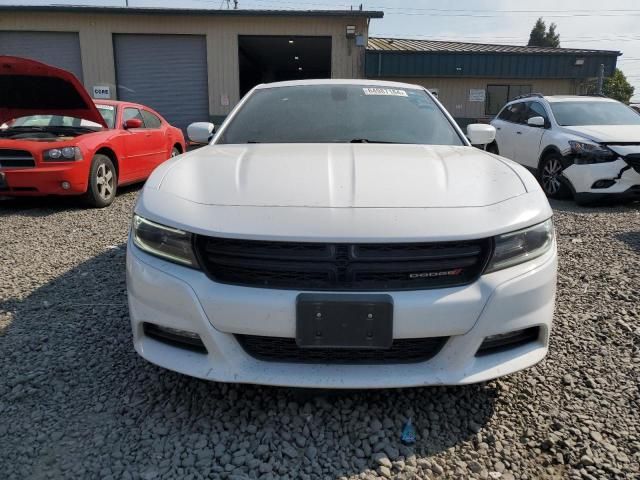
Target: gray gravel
77, 402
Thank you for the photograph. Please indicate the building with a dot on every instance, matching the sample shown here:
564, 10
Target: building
194, 65
474, 81
190, 65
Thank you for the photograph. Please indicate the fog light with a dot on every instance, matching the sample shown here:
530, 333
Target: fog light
175, 337
505, 341
603, 184
65, 185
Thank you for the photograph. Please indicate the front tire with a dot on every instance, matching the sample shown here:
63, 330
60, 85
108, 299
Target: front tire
103, 182
493, 148
174, 152
551, 180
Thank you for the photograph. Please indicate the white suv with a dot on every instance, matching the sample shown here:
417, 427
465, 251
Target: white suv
341, 234
588, 147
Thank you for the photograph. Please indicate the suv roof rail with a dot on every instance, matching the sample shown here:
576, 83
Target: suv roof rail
527, 95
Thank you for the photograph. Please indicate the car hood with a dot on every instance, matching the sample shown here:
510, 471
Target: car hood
608, 133
28, 87
339, 175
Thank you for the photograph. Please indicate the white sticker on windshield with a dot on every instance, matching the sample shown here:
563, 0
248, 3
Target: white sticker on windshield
393, 92
106, 107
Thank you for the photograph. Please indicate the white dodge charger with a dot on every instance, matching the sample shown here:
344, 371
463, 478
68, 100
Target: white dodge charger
341, 234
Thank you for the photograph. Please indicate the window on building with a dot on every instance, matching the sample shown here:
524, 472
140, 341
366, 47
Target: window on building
498, 95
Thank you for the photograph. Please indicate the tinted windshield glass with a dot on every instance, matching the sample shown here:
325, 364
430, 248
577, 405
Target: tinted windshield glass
338, 114
593, 113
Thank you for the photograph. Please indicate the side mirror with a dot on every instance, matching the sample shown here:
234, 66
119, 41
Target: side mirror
200, 132
481, 134
133, 123
536, 122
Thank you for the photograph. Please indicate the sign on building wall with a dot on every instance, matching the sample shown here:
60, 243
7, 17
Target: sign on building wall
101, 91
477, 95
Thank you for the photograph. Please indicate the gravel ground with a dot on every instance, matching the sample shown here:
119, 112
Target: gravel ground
77, 402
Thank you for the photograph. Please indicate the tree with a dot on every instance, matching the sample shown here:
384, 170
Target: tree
541, 37
536, 38
617, 86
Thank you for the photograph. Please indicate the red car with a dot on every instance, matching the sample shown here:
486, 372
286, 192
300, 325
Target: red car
56, 140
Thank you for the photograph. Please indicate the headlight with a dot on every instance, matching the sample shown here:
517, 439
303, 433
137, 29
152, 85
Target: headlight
521, 246
64, 154
166, 242
591, 153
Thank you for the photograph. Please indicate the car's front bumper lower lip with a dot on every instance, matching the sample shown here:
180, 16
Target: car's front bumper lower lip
583, 177
173, 296
45, 180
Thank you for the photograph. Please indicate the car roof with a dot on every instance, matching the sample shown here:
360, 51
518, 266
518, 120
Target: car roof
577, 98
117, 103
355, 82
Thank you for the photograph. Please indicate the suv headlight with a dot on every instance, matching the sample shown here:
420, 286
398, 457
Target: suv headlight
166, 242
518, 247
64, 154
586, 153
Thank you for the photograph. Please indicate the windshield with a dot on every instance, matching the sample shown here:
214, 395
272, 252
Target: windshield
593, 113
108, 113
340, 114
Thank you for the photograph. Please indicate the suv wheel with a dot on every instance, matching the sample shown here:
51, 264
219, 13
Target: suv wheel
553, 184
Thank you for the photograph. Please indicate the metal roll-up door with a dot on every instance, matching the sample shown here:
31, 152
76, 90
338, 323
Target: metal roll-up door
60, 49
166, 72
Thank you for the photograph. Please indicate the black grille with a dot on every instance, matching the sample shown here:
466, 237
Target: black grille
341, 267
634, 161
276, 349
16, 158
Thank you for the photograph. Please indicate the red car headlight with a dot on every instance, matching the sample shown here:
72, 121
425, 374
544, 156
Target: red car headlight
64, 154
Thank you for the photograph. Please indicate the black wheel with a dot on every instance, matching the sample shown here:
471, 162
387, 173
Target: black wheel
103, 182
493, 148
551, 179
174, 152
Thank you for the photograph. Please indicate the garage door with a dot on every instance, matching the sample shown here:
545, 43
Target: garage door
166, 72
60, 49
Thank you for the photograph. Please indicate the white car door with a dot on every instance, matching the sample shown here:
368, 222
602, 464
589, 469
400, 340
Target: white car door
506, 124
528, 138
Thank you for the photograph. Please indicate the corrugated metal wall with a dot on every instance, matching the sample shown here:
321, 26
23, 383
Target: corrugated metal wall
453, 93
96, 29
60, 49
166, 72
420, 64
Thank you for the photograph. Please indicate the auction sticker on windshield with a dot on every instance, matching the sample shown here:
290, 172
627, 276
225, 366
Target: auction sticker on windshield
393, 92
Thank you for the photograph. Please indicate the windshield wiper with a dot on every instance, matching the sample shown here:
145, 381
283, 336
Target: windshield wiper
366, 140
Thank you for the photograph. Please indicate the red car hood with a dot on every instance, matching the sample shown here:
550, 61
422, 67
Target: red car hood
28, 87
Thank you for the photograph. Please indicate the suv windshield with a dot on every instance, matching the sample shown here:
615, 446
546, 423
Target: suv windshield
593, 113
340, 114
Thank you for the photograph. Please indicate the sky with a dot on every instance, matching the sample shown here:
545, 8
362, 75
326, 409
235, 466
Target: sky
581, 23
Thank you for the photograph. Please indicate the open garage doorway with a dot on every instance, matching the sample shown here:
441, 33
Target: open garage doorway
265, 59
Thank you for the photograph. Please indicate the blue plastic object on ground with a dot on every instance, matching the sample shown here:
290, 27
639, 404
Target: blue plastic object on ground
408, 436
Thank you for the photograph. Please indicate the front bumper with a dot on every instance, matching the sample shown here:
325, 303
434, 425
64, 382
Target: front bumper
45, 180
583, 177
174, 296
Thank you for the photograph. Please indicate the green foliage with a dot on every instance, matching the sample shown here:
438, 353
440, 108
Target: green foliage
616, 86
541, 37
